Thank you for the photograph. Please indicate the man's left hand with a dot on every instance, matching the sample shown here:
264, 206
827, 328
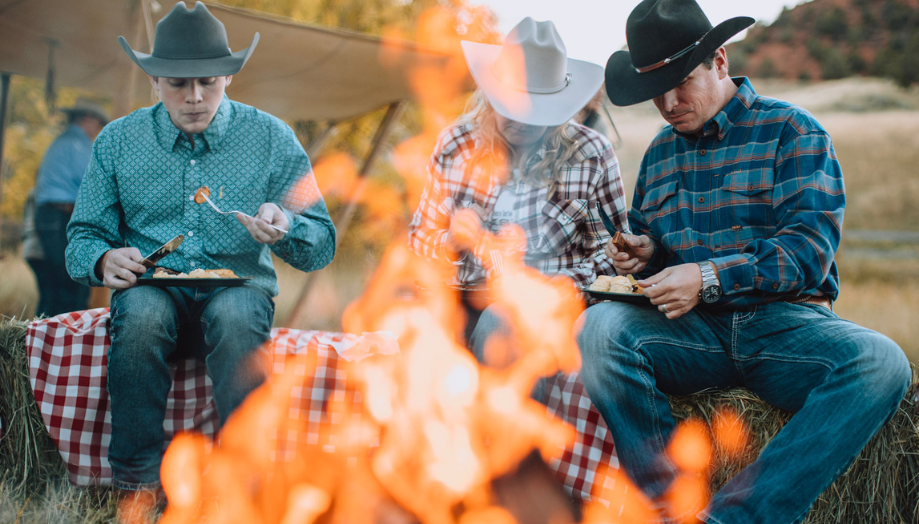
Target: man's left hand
675, 290
258, 225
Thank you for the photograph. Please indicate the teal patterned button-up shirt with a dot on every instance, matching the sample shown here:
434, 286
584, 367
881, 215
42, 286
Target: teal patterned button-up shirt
139, 192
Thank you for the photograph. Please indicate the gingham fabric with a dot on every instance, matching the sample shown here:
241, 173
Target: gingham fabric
563, 228
67, 365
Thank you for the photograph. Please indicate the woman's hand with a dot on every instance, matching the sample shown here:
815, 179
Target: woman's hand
466, 228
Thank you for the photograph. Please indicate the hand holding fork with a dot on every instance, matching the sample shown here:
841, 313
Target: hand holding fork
217, 209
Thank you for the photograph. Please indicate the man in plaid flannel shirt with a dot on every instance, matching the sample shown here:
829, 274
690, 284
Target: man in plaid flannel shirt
139, 192
737, 217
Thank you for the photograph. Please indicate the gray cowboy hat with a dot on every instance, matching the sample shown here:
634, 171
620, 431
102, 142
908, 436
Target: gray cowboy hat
86, 106
190, 43
667, 40
530, 79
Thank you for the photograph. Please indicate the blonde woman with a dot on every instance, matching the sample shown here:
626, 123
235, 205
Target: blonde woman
514, 158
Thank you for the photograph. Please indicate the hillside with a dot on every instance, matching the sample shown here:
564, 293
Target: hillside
831, 39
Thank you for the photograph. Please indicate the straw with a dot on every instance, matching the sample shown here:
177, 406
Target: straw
881, 486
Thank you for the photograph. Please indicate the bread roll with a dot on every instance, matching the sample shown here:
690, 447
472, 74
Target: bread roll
620, 284
602, 283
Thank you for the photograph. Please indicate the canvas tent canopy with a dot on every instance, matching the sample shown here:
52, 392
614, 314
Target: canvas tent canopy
297, 72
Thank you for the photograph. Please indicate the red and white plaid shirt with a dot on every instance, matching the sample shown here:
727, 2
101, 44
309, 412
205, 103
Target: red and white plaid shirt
561, 221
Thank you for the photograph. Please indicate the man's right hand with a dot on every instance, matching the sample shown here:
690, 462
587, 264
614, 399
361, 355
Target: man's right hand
120, 267
626, 264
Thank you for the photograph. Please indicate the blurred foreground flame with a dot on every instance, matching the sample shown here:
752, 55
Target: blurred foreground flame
434, 429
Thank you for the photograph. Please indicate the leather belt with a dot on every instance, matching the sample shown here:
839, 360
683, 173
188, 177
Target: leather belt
809, 299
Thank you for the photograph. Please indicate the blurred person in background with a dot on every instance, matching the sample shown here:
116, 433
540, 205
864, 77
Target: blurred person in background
140, 192
515, 158
737, 215
34, 255
56, 188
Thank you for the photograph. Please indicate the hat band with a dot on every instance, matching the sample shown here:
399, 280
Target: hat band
528, 89
669, 59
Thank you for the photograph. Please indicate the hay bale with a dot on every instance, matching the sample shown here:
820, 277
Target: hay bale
880, 487
29, 459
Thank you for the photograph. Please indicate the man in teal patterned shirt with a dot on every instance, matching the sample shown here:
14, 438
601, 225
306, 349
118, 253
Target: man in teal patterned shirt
138, 193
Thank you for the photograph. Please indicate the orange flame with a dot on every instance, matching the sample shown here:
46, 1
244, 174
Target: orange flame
731, 434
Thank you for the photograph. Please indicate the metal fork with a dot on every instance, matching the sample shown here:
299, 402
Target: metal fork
217, 209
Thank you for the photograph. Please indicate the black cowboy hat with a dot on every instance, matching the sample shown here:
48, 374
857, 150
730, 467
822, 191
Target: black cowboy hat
190, 43
667, 40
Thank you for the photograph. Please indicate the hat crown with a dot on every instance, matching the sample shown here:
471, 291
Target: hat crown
533, 58
658, 29
189, 34
87, 106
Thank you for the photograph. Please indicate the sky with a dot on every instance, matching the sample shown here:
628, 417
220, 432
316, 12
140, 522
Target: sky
593, 29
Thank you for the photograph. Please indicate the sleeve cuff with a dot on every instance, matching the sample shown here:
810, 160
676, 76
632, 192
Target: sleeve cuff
97, 253
735, 273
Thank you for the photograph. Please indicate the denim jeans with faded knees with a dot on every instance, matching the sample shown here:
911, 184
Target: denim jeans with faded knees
493, 325
150, 326
842, 381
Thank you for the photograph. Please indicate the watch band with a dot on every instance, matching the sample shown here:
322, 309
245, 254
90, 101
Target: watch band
709, 276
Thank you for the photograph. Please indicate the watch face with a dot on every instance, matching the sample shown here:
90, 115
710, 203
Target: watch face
711, 294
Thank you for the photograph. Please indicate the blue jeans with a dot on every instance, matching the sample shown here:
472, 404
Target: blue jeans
151, 326
58, 293
491, 326
842, 381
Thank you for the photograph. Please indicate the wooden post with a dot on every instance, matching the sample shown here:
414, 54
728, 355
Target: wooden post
4, 99
134, 20
344, 218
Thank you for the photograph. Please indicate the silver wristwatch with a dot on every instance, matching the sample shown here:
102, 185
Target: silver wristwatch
711, 287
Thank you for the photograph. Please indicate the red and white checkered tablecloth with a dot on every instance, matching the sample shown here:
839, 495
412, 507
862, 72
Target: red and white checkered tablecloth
67, 366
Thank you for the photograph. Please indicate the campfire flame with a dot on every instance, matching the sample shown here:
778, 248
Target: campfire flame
419, 436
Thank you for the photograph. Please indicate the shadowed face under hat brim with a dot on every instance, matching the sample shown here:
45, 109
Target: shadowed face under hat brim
190, 68
626, 86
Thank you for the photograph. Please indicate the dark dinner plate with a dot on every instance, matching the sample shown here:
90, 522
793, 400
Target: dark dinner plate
631, 298
191, 282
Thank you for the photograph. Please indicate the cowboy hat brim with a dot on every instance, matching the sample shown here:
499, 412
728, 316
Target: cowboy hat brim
190, 67
626, 86
535, 109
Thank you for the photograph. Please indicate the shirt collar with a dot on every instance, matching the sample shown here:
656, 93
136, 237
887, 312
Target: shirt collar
733, 111
169, 135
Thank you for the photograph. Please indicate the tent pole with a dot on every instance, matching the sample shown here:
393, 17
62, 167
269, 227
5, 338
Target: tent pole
344, 217
124, 99
315, 147
4, 99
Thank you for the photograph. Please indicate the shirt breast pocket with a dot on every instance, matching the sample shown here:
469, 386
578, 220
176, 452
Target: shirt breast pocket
660, 209
559, 227
746, 208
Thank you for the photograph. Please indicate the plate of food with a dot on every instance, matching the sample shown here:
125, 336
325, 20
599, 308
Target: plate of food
619, 288
163, 277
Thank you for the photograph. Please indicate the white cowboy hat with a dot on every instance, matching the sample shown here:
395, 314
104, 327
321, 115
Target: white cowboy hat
530, 79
